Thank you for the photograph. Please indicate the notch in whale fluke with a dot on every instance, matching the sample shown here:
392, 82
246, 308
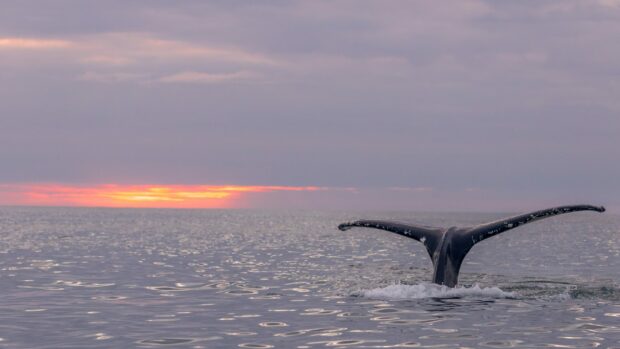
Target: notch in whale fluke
447, 247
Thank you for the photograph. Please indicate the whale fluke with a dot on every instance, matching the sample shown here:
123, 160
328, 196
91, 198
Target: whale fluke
429, 236
448, 247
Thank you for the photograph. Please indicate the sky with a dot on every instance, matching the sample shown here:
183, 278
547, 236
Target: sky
354, 105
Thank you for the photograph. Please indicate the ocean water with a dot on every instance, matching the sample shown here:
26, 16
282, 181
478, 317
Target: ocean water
128, 278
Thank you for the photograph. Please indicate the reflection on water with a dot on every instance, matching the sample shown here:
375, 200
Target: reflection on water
111, 278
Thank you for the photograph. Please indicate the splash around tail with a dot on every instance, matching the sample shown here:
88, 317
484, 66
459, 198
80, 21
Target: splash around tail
429, 290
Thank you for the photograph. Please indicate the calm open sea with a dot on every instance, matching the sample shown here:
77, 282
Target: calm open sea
123, 278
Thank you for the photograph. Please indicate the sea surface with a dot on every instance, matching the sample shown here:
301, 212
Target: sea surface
130, 278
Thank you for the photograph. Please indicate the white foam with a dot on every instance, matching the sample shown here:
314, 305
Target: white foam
428, 290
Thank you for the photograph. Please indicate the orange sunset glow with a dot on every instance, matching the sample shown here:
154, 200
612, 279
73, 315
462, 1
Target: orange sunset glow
147, 196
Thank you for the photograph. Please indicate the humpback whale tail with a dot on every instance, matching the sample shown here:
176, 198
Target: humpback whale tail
447, 247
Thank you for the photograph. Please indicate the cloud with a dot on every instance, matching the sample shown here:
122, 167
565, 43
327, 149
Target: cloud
610, 3
123, 48
32, 43
175, 48
193, 77
189, 77
411, 189
140, 48
111, 77
107, 60
122, 56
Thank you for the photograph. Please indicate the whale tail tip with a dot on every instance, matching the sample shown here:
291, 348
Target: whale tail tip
344, 226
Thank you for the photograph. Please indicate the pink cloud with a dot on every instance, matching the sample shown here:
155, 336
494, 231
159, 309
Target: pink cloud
30, 43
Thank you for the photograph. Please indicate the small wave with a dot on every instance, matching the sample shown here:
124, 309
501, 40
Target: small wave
552, 290
428, 290
607, 292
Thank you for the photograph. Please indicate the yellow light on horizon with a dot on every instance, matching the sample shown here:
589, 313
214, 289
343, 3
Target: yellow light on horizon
117, 195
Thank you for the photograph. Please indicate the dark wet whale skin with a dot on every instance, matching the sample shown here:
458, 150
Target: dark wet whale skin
448, 247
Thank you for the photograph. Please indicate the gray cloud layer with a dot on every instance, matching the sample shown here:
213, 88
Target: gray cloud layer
515, 98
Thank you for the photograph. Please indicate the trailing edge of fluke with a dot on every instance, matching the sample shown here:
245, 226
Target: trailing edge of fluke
448, 247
